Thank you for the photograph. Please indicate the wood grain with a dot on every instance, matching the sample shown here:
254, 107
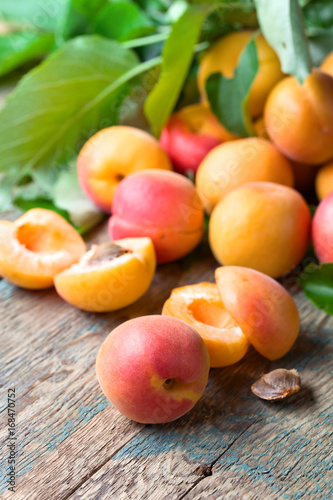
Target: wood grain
73, 444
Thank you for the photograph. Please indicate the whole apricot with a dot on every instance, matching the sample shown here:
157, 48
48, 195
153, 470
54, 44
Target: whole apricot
327, 64
299, 118
261, 225
153, 369
234, 163
324, 180
190, 134
164, 206
113, 153
322, 229
223, 58
36, 247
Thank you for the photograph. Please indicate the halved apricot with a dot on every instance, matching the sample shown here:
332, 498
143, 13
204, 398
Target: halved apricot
36, 247
201, 307
109, 276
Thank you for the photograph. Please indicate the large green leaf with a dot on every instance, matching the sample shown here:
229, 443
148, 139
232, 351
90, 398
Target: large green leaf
78, 18
229, 97
19, 48
75, 92
177, 56
317, 284
282, 24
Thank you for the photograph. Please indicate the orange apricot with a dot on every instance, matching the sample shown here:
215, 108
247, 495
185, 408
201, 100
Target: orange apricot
109, 276
201, 307
234, 163
223, 58
299, 118
327, 64
36, 247
324, 181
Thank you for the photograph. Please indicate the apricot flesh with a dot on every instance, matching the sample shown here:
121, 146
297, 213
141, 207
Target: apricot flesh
113, 153
201, 307
263, 309
324, 180
161, 205
234, 163
261, 225
109, 276
153, 369
36, 247
223, 58
299, 118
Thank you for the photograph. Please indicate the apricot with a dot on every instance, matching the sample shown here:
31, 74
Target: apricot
190, 134
327, 64
153, 369
322, 229
260, 128
223, 57
234, 163
299, 118
201, 307
261, 225
324, 180
263, 309
113, 153
36, 247
109, 276
161, 205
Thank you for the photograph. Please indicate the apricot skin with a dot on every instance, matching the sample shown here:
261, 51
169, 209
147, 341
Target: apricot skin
234, 163
36, 247
324, 181
261, 225
112, 154
322, 229
223, 58
140, 355
200, 306
299, 118
263, 309
161, 205
327, 64
190, 134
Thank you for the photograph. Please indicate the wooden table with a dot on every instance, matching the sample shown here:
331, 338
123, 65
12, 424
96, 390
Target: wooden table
73, 444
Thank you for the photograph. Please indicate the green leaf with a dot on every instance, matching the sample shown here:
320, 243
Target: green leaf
58, 105
282, 24
35, 14
317, 284
177, 57
122, 20
78, 18
19, 48
229, 97
319, 13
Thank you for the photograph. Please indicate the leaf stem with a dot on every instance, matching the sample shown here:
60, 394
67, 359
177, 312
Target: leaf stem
146, 40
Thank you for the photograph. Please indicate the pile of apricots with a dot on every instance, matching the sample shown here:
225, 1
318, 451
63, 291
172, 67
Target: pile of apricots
259, 229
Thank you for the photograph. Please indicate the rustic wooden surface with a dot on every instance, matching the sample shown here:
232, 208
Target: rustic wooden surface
72, 444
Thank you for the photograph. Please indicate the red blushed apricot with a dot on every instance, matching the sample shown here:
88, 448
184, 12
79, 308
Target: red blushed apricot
110, 276
324, 181
190, 134
201, 307
261, 225
36, 247
112, 154
153, 369
322, 229
299, 118
262, 308
161, 205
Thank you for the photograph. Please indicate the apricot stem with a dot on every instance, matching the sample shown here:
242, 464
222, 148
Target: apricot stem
169, 383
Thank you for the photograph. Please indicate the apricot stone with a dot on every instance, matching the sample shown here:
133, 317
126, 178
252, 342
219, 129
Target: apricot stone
153, 369
223, 58
109, 276
113, 153
161, 205
234, 163
299, 118
322, 229
36, 247
261, 225
264, 310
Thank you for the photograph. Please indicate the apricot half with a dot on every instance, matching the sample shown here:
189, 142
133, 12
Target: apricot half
201, 307
109, 276
36, 247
